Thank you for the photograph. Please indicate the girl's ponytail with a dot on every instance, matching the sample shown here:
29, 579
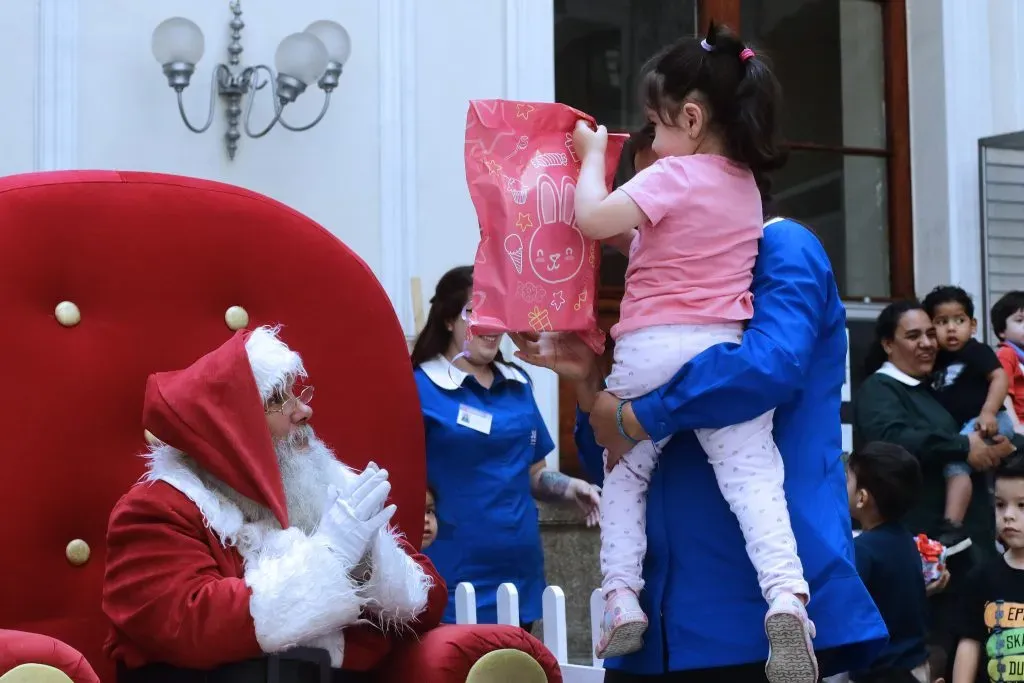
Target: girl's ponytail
752, 129
736, 84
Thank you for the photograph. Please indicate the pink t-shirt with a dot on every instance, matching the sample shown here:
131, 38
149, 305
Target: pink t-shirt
693, 259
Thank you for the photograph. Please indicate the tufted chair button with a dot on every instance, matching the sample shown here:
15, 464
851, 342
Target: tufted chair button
77, 552
67, 314
236, 317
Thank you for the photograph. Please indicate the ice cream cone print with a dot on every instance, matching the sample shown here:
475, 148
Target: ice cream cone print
514, 249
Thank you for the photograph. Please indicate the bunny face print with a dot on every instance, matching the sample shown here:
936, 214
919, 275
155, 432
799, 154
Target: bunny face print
556, 246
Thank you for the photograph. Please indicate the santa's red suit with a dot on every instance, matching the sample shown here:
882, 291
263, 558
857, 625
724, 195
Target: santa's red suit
194, 580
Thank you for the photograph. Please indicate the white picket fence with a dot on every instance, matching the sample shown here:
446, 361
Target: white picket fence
556, 634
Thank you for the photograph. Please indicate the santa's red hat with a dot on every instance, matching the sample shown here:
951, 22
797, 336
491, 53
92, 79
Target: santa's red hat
214, 412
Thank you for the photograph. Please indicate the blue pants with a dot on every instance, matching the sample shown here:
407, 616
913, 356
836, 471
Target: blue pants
1005, 428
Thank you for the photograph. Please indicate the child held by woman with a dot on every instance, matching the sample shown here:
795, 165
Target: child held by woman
713, 105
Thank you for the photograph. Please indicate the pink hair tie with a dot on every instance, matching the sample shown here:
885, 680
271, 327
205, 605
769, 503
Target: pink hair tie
746, 54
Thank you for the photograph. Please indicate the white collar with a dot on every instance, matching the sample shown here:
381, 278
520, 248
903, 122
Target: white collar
897, 374
445, 375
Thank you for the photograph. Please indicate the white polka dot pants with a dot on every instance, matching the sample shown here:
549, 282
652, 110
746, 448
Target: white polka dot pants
746, 463
750, 476
624, 518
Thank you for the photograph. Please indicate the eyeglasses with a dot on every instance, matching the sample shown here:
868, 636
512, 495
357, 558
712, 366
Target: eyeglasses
289, 406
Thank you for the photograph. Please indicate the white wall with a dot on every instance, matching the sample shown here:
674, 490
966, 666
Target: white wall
966, 78
383, 171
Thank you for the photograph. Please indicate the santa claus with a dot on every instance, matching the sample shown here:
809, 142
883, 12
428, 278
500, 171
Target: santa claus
247, 537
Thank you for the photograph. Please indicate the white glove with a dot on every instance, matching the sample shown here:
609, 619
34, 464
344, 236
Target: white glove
350, 525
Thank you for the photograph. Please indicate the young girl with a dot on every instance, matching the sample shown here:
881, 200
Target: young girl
713, 105
429, 519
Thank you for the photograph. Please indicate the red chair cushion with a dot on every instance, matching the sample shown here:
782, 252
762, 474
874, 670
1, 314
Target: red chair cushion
445, 654
19, 647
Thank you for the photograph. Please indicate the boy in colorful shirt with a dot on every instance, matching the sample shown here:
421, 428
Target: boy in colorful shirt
1008, 322
971, 385
992, 619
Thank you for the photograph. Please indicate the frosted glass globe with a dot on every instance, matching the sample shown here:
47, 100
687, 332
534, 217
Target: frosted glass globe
301, 56
334, 37
178, 40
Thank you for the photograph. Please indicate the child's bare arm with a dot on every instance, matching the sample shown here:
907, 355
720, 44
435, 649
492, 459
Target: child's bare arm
968, 655
998, 384
600, 215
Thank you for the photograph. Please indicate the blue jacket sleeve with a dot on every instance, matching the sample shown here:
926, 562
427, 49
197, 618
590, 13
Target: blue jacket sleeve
731, 383
591, 455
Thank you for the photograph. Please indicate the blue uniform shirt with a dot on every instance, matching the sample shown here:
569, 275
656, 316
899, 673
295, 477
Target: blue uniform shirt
481, 444
701, 594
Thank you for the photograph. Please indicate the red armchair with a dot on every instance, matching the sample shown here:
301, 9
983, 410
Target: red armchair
21, 655
106, 277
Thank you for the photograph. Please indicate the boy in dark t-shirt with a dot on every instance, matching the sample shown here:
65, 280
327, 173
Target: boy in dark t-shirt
882, 482
991, 624
971, 385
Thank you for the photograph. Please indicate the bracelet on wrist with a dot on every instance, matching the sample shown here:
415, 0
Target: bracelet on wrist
622, 429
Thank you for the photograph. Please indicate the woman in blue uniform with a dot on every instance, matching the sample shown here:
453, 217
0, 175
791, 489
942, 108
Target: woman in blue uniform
486, 444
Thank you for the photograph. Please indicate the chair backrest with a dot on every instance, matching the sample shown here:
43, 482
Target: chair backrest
152, 263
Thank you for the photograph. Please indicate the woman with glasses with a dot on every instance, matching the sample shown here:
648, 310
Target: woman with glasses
486, 445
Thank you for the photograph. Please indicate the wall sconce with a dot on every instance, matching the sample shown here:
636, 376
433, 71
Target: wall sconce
316, 54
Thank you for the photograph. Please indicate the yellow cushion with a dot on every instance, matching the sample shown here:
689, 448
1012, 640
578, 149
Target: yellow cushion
504, 666
35, 673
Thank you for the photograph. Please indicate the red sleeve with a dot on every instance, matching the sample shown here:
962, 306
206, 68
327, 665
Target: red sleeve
437, 596
1011, 365
163, 588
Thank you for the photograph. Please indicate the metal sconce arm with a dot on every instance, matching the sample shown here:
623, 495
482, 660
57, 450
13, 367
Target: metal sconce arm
232, 82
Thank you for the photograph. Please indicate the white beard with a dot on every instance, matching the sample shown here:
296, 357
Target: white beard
306, 464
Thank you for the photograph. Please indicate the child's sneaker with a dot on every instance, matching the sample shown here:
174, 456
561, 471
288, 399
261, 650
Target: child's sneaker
790, 655
623, 625
933, 557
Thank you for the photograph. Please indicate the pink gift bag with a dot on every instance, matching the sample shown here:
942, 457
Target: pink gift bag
534, 269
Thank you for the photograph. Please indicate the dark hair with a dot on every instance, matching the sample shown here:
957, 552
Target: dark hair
641, 139
742, 96
1003, 310
948, 294
885, 330
890, 474
1011, 468
433, 493
450, 296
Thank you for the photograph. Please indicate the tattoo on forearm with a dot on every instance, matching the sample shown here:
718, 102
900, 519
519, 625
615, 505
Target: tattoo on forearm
551, 485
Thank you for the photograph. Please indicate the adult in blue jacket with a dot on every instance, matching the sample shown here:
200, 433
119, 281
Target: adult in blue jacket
701, 590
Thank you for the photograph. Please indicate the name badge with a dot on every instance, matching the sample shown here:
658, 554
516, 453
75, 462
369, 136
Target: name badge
477, 420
